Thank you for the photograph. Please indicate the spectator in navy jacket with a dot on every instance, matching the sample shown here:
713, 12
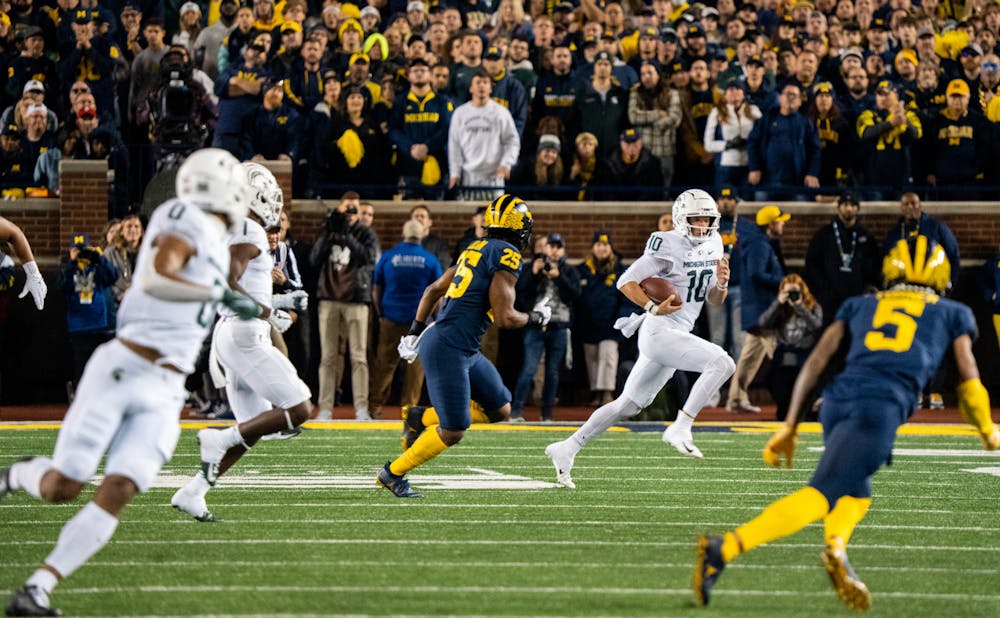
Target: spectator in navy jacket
762, 274
597, 308
784, 150
401, 275
271, 131
86, 280
724, 324
239, 90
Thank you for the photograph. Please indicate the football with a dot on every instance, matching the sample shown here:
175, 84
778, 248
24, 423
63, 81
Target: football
658, 289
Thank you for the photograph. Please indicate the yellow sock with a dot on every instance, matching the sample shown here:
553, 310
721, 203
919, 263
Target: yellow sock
430, 417
783, 518
840, 522
428, 446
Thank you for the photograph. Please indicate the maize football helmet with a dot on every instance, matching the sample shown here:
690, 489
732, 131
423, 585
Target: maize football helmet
266, 199
214, 181
695, 203
917, 261
508, 217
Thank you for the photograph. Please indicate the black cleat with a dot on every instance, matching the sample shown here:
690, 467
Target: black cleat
708, 565
851, 590
413, 424
397, 484
30, 601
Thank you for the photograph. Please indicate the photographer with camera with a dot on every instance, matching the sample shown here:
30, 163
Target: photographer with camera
555, 284
797, 319
344, 255
86, 280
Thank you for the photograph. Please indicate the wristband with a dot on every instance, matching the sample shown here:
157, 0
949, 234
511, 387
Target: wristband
722, 287
417, 327
651, 307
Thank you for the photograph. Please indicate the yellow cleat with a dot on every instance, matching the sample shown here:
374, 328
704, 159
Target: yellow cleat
851, 590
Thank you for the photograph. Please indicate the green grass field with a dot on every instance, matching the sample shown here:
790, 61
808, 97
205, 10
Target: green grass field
306, 532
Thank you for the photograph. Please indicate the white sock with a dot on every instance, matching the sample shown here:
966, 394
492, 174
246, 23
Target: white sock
684, 420
82, 537
602, 419
716, 372
43, 579
232, 436
27, 475
198, 485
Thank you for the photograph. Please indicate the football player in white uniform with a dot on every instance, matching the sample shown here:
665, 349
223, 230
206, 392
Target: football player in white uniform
132, 390
691, 258
33, 282
258, 378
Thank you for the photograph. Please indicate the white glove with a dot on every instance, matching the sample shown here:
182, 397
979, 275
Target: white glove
540, 315
280, 320
296, 301
34, 284
408, 348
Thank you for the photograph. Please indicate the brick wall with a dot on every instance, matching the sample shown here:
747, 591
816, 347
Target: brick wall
83, 206
39, 218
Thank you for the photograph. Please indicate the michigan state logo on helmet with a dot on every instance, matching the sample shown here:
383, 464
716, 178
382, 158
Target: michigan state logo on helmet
917, 261
509, 216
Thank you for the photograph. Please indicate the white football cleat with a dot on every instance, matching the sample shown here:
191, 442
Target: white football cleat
682, 441
562, 458
213, 448
191, 503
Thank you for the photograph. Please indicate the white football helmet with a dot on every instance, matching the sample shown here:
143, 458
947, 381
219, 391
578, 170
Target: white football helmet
695, 203
266, 198
214, 181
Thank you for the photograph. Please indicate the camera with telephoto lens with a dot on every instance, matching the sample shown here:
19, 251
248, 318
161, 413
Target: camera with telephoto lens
336, 221
794, 295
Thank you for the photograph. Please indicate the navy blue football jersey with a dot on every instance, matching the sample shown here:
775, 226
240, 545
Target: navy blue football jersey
466, 313
897, 341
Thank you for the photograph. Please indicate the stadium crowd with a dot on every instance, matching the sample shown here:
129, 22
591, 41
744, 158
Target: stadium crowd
587, 100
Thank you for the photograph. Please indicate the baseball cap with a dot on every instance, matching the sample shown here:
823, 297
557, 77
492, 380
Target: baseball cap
359, 58
290, 26
630, 136
36, 108
769, 214
728, 192
11, 130
190, 6
848, 198
925, 32
755, 60
886, 86
415, 5
79, 240
370, 10
878, 24
549, 141
649, 32
492, 53
601, 236
972, 48
31, 31
565, 7
823, 88
330, 74
668, 34
957, 86
709, 11
555, 238
852, 51
33, 85
603, 56
608, 35
694, 32
271, 82
82, 16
